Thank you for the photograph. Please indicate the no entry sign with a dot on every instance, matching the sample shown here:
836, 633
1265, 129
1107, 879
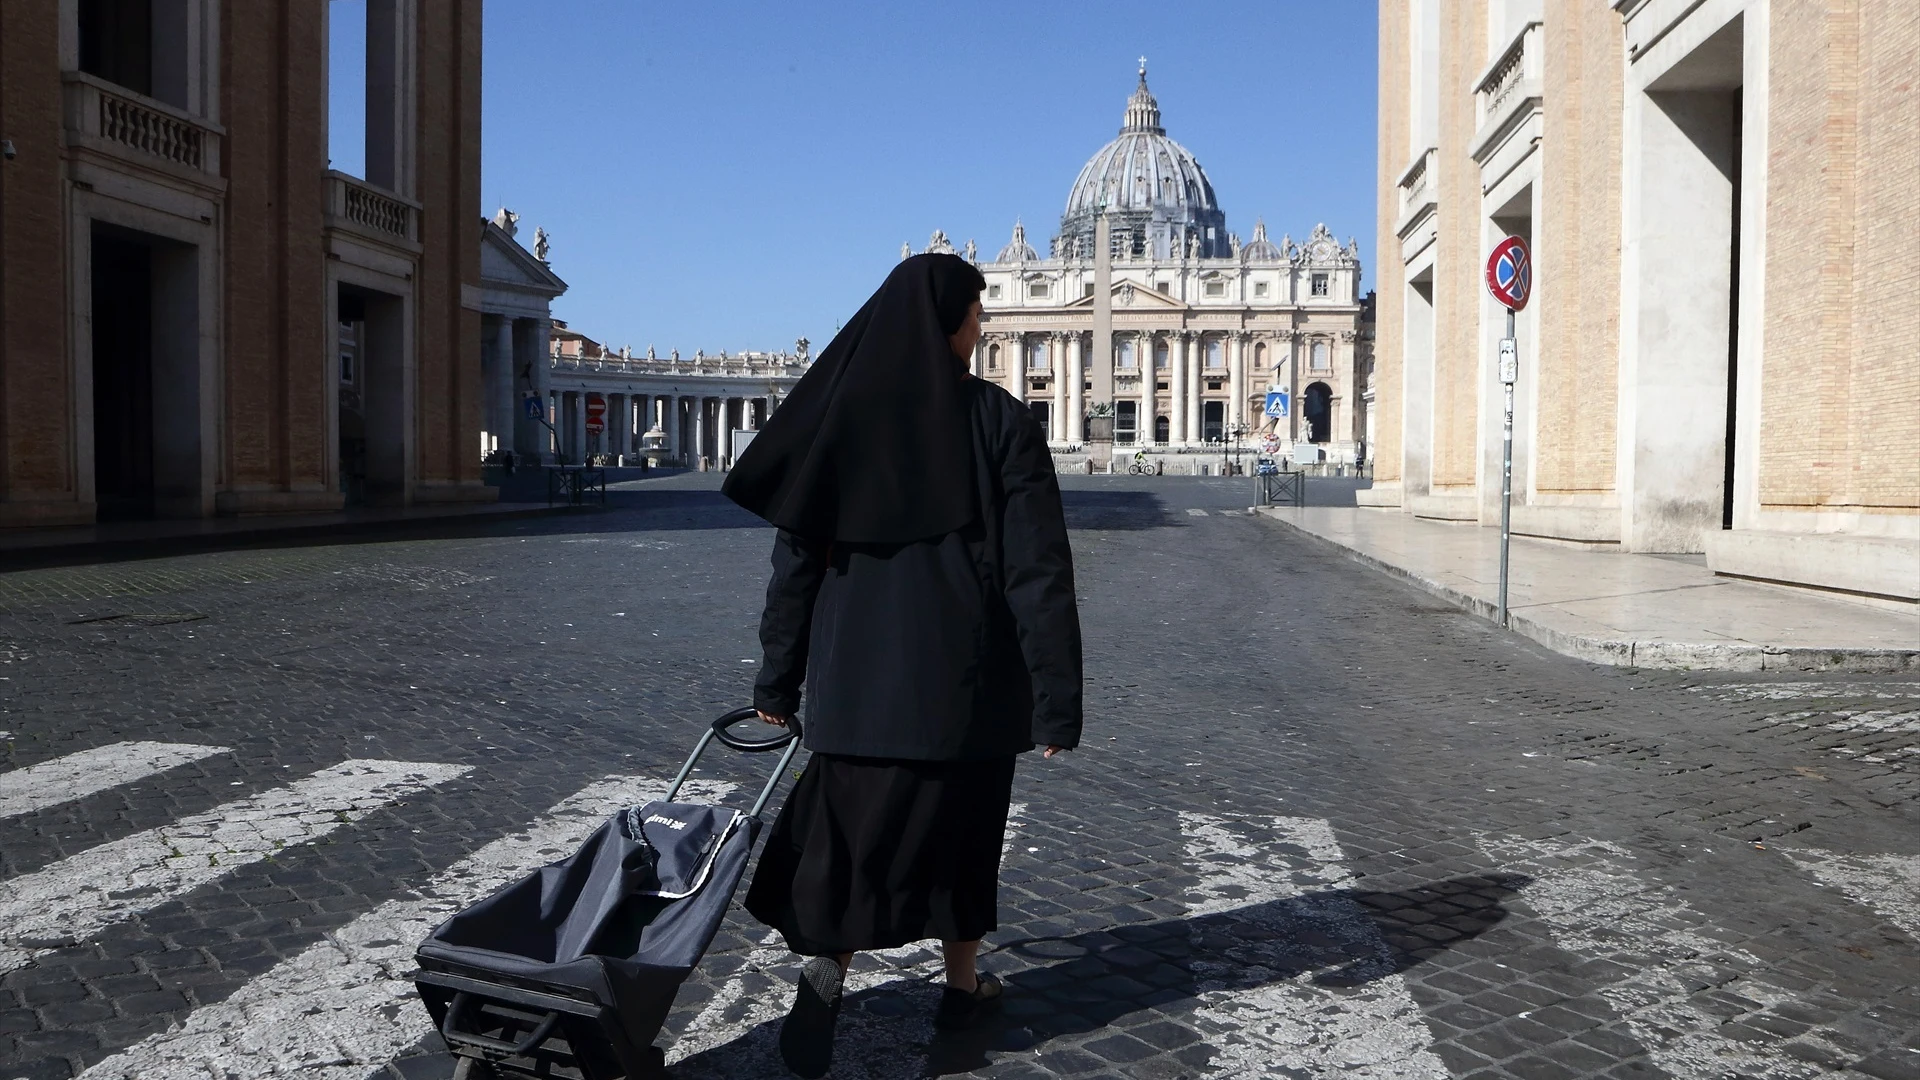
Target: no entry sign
596, 414
1510, 273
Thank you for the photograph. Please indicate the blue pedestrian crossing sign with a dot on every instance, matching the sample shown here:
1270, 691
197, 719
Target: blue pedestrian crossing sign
534, 410
1277, 403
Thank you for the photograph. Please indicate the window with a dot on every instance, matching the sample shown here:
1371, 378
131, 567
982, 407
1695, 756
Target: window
993, 292
1216, 288
1216, 353
1259, 356
1126, 421
1259, 288
993, 358
1160, 361
346, 368
1086, 290
1319, 356
1123, 353
1164, 287
1037, 356
1039, 289
1320, 285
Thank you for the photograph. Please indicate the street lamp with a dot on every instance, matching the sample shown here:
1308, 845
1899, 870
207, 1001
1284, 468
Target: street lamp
1230, 443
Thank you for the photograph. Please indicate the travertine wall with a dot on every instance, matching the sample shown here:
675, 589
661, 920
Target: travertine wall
37, 481
448, 336
1577, 249
1840, 409
274, 107
1390, 303
1456, 338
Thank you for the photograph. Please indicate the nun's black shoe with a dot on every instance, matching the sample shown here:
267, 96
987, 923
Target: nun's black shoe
960, 1010
806, 1038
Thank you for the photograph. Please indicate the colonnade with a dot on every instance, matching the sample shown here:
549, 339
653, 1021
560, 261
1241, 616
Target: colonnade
1178, 392
697, 427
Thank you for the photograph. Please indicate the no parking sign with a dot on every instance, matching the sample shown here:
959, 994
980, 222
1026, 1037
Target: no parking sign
1510, 273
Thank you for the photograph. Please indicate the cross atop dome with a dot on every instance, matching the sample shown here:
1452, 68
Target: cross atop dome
1143, 113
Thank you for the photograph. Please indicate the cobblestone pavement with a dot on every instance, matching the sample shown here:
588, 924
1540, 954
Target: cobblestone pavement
1320, 826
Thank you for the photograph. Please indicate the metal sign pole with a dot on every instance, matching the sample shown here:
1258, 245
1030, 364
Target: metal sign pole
1510, 280
1509, 371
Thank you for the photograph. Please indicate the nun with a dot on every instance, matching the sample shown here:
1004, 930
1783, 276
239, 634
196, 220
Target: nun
922, 603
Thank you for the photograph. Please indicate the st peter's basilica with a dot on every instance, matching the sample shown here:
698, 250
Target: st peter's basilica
1218, 322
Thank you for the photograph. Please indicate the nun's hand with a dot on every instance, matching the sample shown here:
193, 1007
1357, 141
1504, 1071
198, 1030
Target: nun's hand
1052, 750
778, 721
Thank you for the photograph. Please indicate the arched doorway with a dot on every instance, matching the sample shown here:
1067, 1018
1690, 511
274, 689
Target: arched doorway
1161, 428
1317, 409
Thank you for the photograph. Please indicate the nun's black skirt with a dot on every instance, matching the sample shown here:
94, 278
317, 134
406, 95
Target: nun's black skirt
872, 853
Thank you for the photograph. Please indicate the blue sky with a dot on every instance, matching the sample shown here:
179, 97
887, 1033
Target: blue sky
733, 175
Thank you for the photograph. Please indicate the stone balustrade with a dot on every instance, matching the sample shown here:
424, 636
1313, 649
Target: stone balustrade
1499, 87
357, 205
745, 366
1417, 187
132, 126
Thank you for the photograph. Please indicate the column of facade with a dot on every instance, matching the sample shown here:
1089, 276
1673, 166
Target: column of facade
1177, 388
976, 364
1196, 351
1237, 378
1017, 381
1057, 358
498, 332
1143, 355
1076, 389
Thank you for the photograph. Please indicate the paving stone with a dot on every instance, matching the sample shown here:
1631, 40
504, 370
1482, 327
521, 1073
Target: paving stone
1233, 670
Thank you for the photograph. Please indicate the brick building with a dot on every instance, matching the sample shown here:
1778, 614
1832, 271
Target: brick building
1723, 350
181, 274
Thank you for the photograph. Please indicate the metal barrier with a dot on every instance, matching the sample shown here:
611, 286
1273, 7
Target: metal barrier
573, 484
1280, 487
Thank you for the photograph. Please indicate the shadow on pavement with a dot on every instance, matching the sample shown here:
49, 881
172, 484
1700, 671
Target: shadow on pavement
1336, 940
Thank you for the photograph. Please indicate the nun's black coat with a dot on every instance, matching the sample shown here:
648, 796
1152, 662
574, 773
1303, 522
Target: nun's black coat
961, 647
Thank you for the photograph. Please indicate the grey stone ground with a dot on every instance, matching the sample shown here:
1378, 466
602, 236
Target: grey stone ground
1573, 871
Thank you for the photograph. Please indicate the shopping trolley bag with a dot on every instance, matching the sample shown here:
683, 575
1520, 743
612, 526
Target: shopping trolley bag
571, 970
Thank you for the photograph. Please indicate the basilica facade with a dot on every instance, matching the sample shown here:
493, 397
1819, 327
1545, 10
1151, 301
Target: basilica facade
1195, 328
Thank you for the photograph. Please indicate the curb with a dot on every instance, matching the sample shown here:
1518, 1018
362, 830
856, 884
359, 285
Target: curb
1616, 652
105, 551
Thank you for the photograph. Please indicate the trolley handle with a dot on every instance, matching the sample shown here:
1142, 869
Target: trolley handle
788, 740
458, 1008
751, 746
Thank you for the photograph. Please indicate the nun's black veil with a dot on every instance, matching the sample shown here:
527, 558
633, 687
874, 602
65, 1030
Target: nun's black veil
873, 445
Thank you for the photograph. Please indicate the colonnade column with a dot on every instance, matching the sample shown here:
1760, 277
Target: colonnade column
1076, 387
577, 427
1177, 388
1237, 378
976, 364
1017, 371
1143, 355
670, 423
699, 433
497, 332
1057, 357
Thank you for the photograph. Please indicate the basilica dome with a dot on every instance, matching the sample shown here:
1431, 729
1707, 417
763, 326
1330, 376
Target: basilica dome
1158, 199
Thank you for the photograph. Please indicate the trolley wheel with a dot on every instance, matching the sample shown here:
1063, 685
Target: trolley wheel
471, 1069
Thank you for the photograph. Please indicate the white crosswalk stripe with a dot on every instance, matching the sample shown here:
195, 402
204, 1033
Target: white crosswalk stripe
1888, 884
79, 896
1195, 511
1596, 901
1374, 1029
88, 772
344, 1007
